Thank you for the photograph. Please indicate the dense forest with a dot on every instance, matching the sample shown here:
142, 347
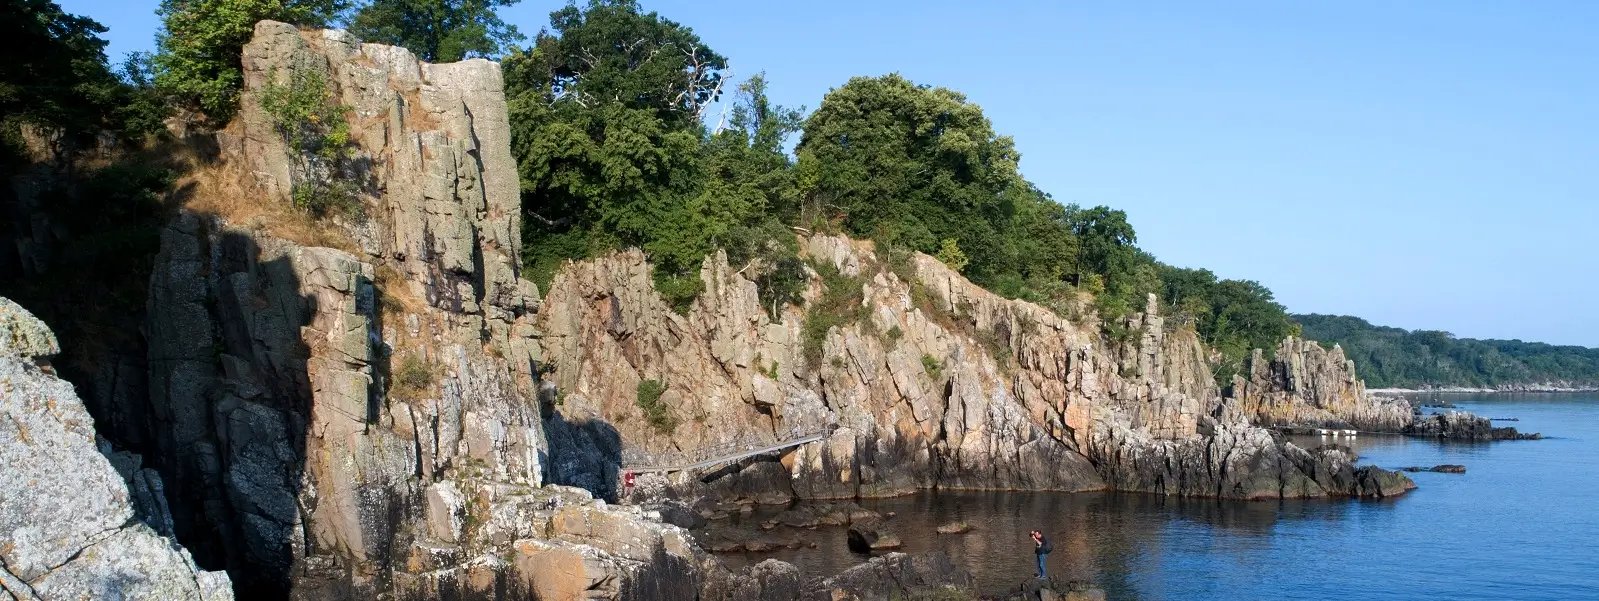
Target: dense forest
628, 131
1392, 357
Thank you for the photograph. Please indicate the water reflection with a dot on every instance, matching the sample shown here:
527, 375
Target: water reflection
1097, 536
1518, 525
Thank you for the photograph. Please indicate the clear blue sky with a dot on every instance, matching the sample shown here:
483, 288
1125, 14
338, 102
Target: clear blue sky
1421, 164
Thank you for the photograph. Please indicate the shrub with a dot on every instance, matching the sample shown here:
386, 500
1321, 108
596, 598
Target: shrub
839, 306
413, 378
950, 253
656, 412
318, 137
200, 42
679, 291
933, 366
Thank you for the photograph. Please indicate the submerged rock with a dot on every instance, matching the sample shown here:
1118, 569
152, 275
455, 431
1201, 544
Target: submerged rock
954, 528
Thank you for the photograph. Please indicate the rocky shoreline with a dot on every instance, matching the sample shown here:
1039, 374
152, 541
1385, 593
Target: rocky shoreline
1507, 388
388, 409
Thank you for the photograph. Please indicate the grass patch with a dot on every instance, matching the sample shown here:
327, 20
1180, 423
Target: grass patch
656, 412
413, 378
679, 291
840, 305
933, 366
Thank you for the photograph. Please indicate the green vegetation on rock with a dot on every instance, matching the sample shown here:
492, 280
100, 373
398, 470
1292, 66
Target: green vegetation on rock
197, 60
318, 137
655, 411
1391, 357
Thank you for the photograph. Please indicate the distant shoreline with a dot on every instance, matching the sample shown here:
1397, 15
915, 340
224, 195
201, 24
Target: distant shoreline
1521, 388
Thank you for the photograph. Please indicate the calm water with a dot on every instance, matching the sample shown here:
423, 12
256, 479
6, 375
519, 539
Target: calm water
1522, 523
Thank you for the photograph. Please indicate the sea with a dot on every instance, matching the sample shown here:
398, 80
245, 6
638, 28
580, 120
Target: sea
1521, 523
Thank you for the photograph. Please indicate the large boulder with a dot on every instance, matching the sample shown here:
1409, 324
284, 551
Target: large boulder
871, 535
68, 527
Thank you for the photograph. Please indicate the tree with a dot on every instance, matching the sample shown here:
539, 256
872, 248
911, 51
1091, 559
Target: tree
53, 72
198, 47
438, 31
605, 114
911, 165
1105, 241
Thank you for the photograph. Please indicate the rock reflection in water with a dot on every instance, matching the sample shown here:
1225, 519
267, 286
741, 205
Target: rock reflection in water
1097, 536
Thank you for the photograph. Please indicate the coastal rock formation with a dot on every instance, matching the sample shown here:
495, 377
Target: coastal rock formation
895, 576
69, 528
365, 421
1463, 425
1305, 385
381, 407
936, 382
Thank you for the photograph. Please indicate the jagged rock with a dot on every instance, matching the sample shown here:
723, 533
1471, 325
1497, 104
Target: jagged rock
1046, 589
1026, 399
68, 528
677, 513
760, 483
770, 580
23, 334
1463, 425
895, 576
1305, 385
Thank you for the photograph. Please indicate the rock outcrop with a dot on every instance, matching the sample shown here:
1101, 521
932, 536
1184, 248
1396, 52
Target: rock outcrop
1305, 385
1463, 425
69, 528
365, 421
895, 576
938, 383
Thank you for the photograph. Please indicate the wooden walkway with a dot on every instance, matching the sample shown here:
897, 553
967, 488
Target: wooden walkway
719, 454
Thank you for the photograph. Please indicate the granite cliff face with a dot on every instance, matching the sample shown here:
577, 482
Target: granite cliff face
364, 421
938, 383
77, 520
1306, 385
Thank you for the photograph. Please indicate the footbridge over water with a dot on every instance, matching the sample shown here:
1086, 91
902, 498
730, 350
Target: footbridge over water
714, 455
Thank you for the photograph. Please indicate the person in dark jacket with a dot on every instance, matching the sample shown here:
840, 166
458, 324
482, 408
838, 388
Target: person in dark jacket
1041, 548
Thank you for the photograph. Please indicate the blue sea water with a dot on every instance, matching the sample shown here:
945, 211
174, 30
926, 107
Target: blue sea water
1521, 523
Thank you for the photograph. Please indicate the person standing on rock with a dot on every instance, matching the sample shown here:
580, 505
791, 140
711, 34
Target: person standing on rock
1041, 548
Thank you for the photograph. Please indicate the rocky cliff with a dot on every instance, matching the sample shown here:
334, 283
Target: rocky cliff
364, 421
378, 406
931, 382
1306, 385
76, 517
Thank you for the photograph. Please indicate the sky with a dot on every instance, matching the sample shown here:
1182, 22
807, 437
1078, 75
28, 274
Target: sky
1428, 164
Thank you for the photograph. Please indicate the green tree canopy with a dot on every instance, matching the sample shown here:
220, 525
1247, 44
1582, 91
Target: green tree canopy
54, 73
198, 47
605, 114
1386, 356
912, 165
438, 31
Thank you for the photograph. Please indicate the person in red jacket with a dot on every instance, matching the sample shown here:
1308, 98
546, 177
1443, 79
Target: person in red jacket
1041, 548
